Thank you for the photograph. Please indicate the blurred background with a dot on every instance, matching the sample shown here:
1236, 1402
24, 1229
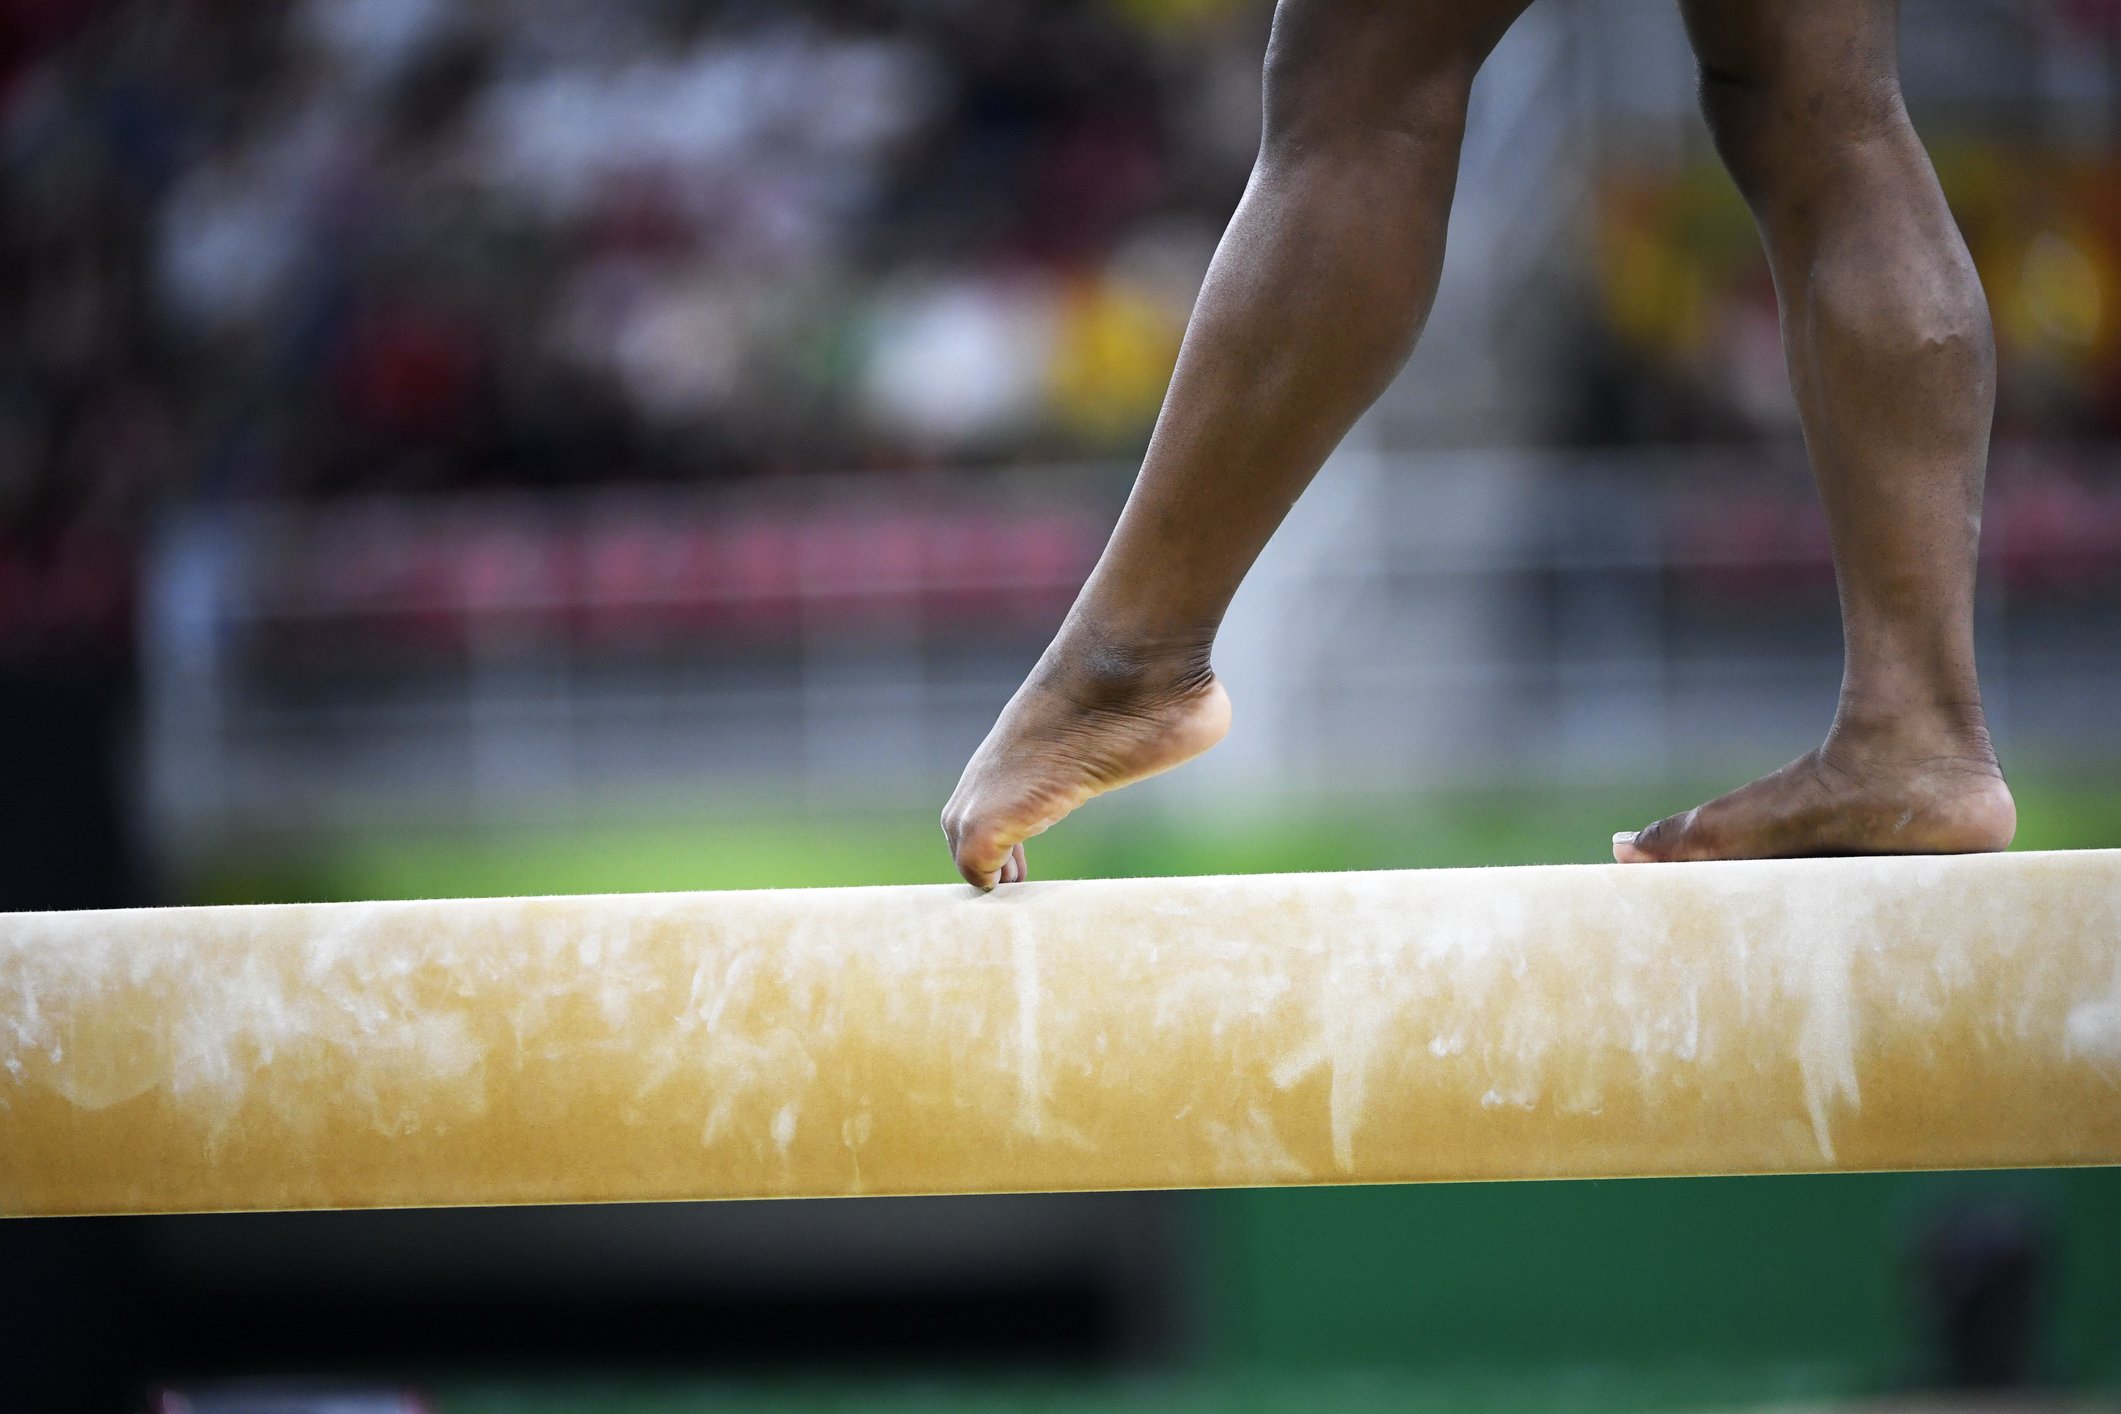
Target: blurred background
523, 446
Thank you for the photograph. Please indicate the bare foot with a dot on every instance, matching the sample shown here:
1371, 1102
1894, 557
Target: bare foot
1888, 788
1086, 722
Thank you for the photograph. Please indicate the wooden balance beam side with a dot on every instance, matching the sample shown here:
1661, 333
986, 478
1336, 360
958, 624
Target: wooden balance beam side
1551, 1022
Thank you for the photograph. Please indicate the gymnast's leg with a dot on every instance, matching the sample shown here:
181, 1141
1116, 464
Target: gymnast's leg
1887, 337
1314, 300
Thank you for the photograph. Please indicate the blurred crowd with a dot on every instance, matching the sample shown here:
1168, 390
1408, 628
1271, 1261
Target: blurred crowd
312, 246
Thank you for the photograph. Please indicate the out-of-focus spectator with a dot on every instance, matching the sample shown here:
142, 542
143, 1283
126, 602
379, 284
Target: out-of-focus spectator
302, 248
343, 245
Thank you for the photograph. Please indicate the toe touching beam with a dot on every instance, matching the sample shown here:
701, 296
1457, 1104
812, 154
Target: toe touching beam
1551, 1022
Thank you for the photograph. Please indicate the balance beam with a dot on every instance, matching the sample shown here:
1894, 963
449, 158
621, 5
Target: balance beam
1550, 1022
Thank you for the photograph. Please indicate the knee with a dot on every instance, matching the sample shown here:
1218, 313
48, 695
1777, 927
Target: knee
1341, 77
1920, 312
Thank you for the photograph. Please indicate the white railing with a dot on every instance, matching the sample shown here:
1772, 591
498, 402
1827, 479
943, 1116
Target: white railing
1473, 616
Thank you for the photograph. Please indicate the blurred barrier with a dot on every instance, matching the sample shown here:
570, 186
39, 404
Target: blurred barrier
635, 569
1495, 615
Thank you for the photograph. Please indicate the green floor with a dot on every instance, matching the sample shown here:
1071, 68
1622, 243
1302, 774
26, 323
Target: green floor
756, 844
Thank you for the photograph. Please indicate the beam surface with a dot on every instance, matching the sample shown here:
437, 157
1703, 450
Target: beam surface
1548, 1022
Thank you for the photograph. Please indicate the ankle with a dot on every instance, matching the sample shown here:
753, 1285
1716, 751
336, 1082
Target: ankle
1099, 666
1939, 729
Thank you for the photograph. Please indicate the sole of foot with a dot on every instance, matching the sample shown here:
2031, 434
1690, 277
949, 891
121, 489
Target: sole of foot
1058, 745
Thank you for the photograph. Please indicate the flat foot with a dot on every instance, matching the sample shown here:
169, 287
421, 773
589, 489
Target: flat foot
1874, 796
